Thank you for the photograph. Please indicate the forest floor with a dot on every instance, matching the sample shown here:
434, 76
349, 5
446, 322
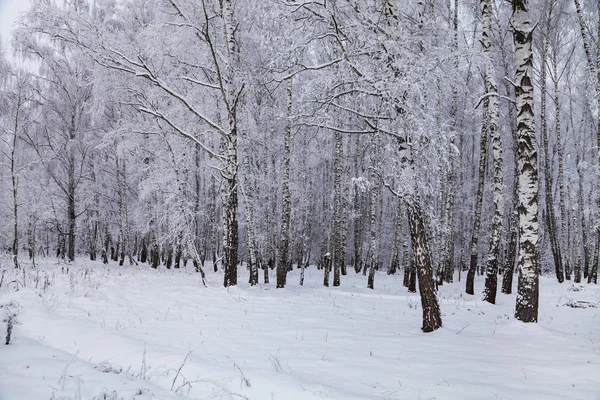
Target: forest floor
136, 333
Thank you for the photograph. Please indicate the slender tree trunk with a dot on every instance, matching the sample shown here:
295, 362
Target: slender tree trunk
373, 242
452, 173
508, 268
529, 267
344, 228
250, 227
71, 187
546, 159
13, 176
230, 195
286, 211
593, 275
395, 258
479, 200
358, 210
491, 281
337, 209
594, 71
584, 36
230, 207
406, 262
326, 269
71, 215
576, 242
564, 239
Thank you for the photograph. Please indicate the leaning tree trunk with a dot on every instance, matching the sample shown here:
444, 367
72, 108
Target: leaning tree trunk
528, 286
286, 209
491, 281
432, 318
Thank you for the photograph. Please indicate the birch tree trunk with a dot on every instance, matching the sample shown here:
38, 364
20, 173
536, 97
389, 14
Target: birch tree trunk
545, 164
593, 277
286, 209
13, 177
479, 199
513, 219
373, 192
230, 195
406, 262
326, 269
71, 214
576, 242
250, 226
337, 209
452, 173
564, 239
358, 209
395, 257
529, 268
594, 70
344, 225
491, 281
432, 319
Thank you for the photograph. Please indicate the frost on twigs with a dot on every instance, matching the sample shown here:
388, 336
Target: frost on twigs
361, 184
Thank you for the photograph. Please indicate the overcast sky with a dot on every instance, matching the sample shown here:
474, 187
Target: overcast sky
9, 9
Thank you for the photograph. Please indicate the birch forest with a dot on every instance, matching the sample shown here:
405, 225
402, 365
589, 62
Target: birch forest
442, 141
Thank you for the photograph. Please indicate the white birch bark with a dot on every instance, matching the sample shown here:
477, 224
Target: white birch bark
249, 207
529, 268
286, 197
337, 209
13, 177
373, 231
230, 197
564, 240
493, 116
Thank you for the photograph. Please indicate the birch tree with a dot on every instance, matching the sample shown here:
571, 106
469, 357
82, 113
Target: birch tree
528, 286
498, 201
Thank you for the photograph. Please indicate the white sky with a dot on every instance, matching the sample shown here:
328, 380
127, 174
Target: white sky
9, 10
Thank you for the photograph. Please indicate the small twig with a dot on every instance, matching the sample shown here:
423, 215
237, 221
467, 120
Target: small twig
463, 328
244, 379
522, 369
493, 94
180, 368
64, 373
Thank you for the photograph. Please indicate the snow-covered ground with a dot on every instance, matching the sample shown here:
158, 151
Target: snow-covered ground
135, 333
